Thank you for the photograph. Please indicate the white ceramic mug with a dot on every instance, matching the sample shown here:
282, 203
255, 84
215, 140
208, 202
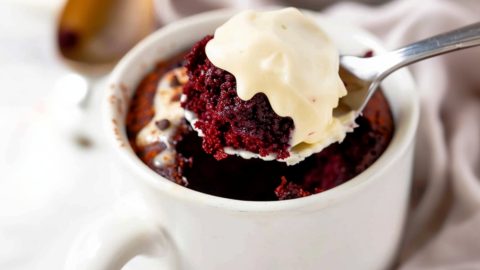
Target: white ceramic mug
356, 225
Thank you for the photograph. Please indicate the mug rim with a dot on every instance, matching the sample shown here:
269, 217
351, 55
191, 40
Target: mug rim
403, 135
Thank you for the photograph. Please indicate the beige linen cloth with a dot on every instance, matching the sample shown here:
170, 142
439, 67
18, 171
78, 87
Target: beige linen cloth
443, 229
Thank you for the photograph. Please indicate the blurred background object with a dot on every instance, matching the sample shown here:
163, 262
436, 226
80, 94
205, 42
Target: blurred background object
100, 32
91, 37
171, 10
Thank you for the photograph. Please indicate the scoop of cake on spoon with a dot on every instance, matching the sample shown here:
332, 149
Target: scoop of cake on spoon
265, 86
272, 85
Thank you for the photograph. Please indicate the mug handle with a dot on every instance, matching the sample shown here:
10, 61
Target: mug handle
115, 241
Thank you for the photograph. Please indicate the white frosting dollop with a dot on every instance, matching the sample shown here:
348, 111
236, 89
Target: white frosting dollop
285, 55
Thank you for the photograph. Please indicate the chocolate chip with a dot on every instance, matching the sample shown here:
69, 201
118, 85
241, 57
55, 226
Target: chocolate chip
163, 124
175, 82
83, 141
176, 97
368, 54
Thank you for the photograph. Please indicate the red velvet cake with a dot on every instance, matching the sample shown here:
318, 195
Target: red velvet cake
201, 164
225, 119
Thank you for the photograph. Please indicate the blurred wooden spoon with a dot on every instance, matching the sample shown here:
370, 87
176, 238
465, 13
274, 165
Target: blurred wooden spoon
92, 35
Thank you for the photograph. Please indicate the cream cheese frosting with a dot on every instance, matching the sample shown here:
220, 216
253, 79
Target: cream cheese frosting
288, 57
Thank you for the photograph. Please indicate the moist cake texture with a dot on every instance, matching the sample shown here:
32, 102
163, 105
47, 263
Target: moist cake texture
203, 166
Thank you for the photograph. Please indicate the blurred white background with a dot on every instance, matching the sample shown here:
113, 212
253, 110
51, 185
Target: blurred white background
49, 187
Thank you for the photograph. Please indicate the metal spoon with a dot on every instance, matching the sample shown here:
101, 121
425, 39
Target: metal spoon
367, 73
92, 36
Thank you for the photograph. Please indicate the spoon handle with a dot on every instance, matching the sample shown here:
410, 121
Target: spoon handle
462, 38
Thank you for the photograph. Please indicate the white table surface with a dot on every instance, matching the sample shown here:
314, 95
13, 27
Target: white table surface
50, 189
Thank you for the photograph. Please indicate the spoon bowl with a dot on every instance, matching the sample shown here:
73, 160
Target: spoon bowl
363, 75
